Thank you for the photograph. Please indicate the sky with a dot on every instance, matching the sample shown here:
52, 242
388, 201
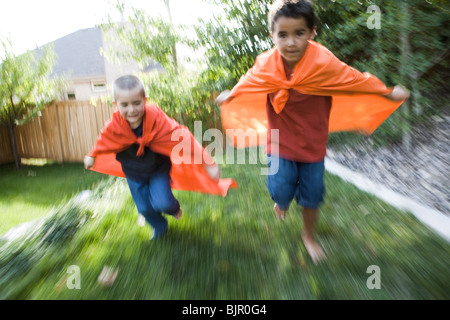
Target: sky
31, 23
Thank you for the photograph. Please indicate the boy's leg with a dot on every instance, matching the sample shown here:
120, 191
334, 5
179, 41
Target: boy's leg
141, 196
310, 195
282, 185
310, 217
280, 213
161, 196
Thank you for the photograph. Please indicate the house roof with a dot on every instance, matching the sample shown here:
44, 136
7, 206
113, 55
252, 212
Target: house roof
78, 54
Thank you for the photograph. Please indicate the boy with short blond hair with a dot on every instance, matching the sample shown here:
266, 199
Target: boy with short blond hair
139, 137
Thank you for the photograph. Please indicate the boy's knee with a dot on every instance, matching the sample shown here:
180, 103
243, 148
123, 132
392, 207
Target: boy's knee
282, 194
144, 208
166, 205
282, 199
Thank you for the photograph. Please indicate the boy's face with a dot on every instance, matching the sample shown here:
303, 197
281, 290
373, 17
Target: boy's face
290, 36
131, 104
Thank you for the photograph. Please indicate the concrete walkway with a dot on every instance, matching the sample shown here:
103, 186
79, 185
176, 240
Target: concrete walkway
434, 219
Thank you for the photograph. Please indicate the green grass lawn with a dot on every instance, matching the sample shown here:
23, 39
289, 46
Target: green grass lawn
28, 193
224, 248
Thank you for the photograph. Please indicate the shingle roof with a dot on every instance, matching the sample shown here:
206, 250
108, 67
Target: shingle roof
78, 54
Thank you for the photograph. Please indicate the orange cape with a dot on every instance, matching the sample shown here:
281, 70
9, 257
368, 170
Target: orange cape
159, 133
357, 101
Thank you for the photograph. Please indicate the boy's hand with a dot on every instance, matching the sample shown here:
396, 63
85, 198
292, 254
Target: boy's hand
223, 97
398, 94
88, 162
213, 171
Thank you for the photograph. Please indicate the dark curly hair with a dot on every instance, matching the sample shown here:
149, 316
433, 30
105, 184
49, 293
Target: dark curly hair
291, 9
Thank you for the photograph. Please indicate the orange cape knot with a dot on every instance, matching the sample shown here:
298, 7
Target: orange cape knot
280, 100
140, 142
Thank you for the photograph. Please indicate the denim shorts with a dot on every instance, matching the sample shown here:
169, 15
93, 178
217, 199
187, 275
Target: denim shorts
299, 180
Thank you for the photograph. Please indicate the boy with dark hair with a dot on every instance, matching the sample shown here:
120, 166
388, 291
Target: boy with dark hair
298, 82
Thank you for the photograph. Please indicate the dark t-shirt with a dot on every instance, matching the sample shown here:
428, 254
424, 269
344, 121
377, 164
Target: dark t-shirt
302, 124
141, 168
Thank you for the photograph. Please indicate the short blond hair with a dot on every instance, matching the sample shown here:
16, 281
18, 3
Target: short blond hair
128, 82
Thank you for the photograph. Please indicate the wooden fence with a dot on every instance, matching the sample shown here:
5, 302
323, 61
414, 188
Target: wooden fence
65, 131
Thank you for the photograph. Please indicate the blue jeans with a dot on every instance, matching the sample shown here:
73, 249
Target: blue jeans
304, 181
154, 197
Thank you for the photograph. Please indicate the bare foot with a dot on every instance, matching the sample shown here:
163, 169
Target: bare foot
179, 214
314, 249
278, 212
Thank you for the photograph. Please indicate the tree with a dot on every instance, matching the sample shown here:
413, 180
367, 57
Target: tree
234, 39
144, 37
183, 93
25, 88
174, 46
178, 90
409, 47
